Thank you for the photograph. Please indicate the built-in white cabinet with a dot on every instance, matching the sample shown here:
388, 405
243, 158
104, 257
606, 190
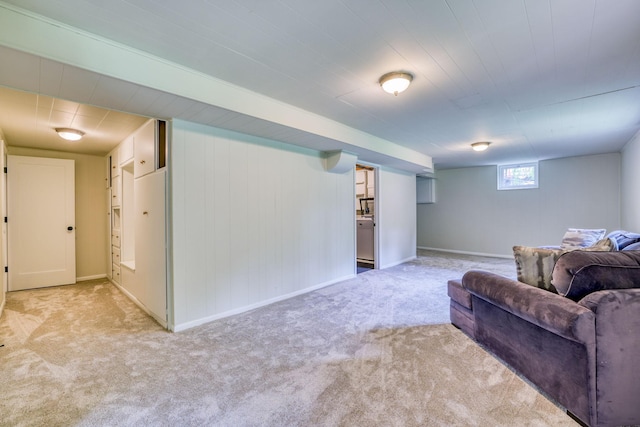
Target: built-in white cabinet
138, 235
371, 188
151, 241
115, 238
116, 189
144, 148
365, 183
425, 190
114, 163
125, 150
361, 183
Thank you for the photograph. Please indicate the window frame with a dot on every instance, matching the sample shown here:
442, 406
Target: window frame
502, 184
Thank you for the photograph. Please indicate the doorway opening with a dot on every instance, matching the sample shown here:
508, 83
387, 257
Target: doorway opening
365, 205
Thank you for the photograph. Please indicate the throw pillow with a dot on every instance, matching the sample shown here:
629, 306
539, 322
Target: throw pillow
581, 238
535, 265
622, 239
579, 273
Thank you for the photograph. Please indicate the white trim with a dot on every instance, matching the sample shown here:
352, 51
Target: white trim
95, 276
376, 215
131, 265
402, 261
453, 251
4, 301
203, 320
135, 300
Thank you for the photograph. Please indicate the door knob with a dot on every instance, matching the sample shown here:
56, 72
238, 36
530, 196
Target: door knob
70, 228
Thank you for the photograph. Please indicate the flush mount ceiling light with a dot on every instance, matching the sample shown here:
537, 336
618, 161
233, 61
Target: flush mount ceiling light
480, 146
395, 82
70, 134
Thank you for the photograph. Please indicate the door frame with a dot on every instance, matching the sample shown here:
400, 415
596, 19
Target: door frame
376, 214
4, 243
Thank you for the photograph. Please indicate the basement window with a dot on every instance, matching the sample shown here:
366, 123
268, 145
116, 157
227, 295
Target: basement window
518, 177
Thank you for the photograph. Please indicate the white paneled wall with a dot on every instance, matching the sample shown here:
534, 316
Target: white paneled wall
397, 217
253, 221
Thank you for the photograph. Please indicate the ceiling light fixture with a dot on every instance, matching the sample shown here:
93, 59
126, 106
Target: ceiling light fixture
480, 146
395, 82
70, 134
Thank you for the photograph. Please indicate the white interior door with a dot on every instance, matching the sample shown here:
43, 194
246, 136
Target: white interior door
41, 222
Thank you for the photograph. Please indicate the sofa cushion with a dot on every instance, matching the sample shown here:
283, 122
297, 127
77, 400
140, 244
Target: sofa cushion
457, 293
581, 237
579, 273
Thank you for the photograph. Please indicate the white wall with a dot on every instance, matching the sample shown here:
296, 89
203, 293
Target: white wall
630, 188
253, 221
471, 215
397, 217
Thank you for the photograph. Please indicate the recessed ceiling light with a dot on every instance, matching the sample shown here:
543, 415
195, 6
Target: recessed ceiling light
480, 146
395, 82
70, 134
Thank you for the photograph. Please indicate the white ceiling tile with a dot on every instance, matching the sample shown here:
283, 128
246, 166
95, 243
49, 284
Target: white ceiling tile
19, 70
78, 85
50, 77
113, 92
141, 101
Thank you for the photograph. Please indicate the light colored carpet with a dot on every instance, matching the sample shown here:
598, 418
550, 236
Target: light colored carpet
376, 350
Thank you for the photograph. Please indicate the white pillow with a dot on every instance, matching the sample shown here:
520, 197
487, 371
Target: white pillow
581, 237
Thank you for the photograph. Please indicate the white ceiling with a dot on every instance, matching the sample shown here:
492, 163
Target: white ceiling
30, 120
539, 79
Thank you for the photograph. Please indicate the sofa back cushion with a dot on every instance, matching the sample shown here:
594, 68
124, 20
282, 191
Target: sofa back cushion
579, 273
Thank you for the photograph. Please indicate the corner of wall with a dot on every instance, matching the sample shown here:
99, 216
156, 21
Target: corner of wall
630, 185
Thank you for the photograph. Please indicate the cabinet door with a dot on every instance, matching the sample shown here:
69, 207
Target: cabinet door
144, 143
151, 242
115, 191
125, 150
115, 164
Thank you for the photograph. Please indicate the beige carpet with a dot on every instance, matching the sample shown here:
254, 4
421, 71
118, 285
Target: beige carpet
372, 351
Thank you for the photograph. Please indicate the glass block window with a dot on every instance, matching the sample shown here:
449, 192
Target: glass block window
515, 177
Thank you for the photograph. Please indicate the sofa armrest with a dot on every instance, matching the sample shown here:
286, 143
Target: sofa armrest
618, 354
545, 309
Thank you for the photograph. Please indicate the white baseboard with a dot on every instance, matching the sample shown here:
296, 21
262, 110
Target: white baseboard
466, 252
411, 258
4, 300
137, 302
203, 320
96, 276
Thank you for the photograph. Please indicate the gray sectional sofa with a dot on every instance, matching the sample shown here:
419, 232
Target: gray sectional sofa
578, 342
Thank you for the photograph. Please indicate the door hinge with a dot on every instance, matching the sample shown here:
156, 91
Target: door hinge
5, 169
6, 269
5, 219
